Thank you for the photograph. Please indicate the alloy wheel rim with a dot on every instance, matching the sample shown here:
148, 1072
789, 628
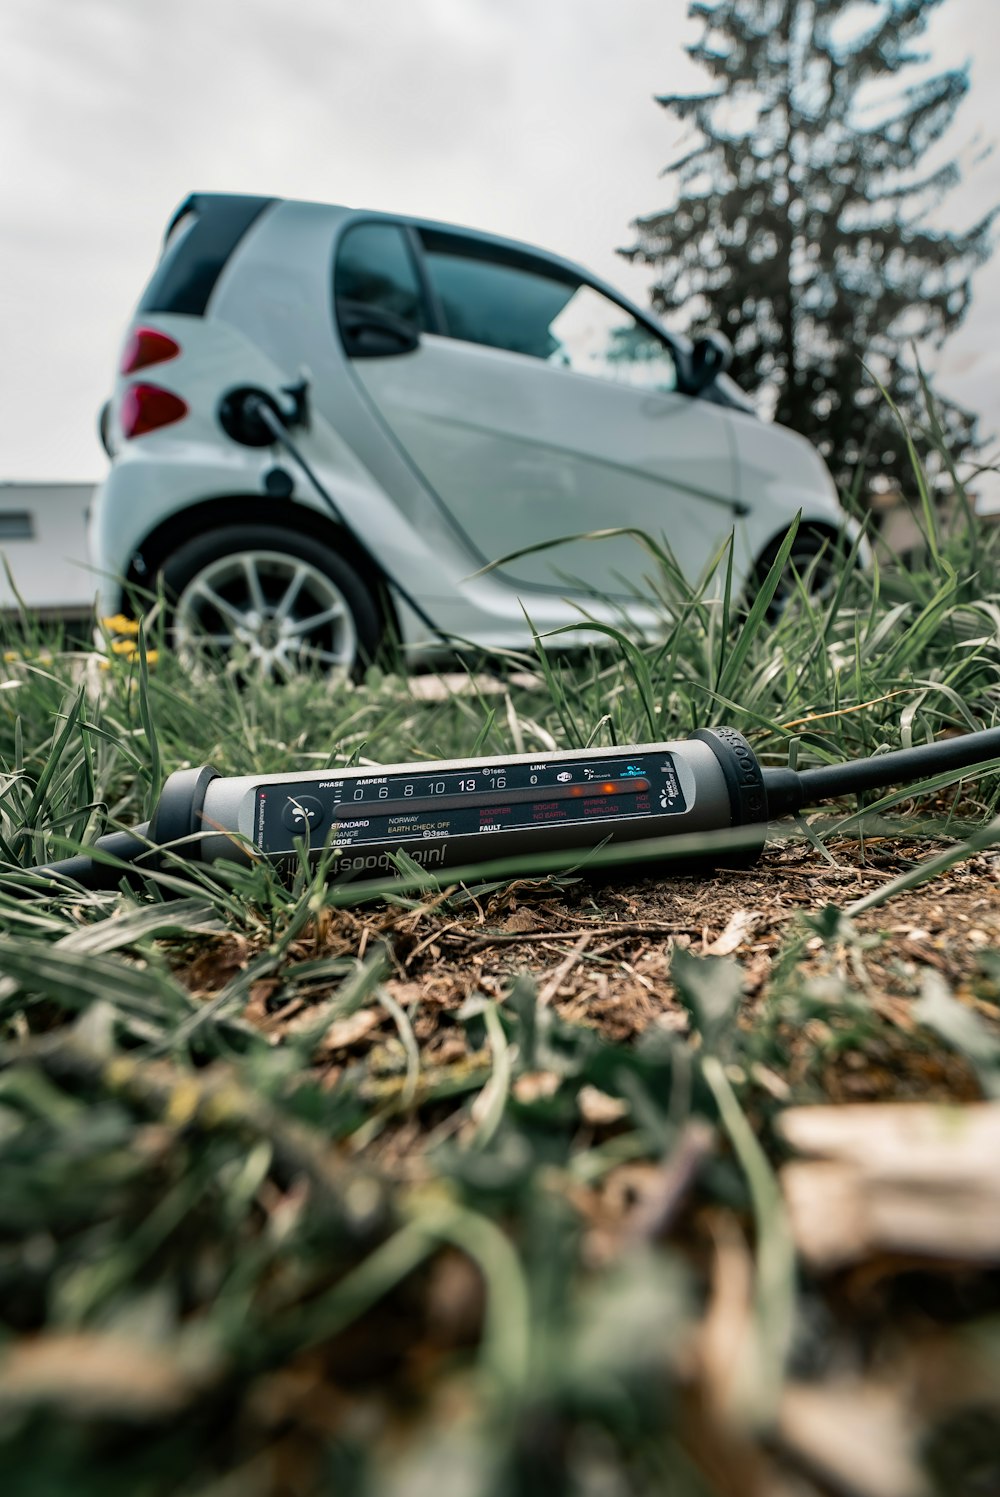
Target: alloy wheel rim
273, 612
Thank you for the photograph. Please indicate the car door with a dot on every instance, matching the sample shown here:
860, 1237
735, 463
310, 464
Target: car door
536, 408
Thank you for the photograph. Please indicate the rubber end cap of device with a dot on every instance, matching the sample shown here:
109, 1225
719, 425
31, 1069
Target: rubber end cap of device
178, 811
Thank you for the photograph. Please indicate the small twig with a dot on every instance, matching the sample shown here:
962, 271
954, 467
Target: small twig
642, 981
565, 967
435, 935
818, 717
679, 1172
623, 928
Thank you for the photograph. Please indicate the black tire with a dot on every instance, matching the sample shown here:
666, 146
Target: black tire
250, 591
814, 557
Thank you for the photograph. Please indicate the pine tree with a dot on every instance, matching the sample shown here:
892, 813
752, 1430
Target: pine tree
801, 223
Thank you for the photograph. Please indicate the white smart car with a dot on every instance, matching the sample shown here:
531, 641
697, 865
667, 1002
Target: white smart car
465, 399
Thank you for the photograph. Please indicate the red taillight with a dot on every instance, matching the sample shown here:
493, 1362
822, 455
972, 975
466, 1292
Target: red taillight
147, 407
146, 346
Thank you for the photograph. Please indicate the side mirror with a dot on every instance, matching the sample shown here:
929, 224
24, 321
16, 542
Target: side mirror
373, 333
710, 357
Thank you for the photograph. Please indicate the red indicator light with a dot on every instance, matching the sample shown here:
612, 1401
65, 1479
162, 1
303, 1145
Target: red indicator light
146, 346
147, 407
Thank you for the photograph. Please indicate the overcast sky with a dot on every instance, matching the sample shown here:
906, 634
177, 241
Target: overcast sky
532, 118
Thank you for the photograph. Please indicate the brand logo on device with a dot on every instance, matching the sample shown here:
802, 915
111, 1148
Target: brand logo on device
362, 862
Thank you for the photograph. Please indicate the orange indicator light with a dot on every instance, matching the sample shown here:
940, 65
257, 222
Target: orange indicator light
608, 787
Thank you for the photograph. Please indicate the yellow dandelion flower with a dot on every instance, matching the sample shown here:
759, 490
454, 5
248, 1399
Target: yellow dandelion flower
119, 624
124, 647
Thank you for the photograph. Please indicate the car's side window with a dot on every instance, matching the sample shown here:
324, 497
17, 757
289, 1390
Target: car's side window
596, 336
511, 302
375, 270
493, 297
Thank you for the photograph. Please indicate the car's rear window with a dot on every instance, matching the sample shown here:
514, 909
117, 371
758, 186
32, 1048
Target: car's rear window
200, 239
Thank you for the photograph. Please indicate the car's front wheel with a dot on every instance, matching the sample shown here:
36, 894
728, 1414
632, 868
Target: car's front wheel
812, 561
274, 603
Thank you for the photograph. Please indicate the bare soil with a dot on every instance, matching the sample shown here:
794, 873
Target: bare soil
601, 956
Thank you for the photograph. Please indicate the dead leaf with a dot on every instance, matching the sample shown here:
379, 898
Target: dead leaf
598, 1109
740, 926
724, 1340
96, 1376
856, 1436
345, 1032
908, 1178
521, 919
533, 1086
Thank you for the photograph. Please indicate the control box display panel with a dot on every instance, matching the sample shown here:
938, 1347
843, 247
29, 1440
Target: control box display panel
398, 809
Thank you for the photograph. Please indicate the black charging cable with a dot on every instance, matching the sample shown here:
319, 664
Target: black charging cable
246, 413
134, 849
788, 790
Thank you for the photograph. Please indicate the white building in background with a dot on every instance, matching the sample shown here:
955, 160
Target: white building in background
43, 548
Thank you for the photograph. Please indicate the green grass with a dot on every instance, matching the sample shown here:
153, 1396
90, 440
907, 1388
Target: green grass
221, 1275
